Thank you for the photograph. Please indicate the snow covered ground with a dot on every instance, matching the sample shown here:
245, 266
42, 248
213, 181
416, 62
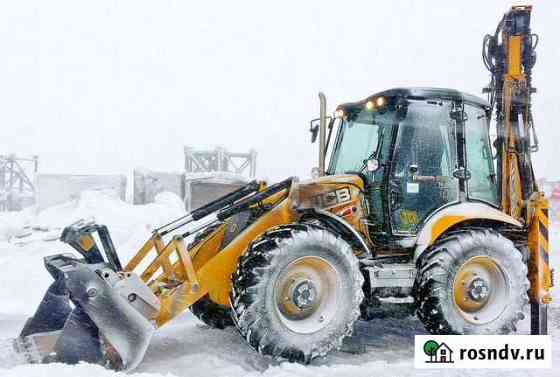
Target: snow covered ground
186, 347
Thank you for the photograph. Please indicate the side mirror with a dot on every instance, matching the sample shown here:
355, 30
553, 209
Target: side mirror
314, 125
314, 129
372, 165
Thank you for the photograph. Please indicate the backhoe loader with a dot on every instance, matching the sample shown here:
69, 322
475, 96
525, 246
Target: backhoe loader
412, 207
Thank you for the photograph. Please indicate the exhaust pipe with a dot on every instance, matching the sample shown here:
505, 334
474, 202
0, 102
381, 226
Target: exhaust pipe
322, 132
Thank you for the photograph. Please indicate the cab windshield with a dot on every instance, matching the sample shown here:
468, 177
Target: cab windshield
359, 138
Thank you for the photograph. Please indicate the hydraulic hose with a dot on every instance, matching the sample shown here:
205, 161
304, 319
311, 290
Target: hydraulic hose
207, 209
245, 204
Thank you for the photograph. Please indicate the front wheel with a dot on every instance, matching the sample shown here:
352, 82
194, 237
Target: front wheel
297, 292
472, 282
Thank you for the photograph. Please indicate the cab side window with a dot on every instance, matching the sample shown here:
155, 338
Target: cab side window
481, 185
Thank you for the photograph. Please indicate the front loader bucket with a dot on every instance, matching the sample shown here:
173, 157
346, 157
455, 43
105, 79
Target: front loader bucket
110, 323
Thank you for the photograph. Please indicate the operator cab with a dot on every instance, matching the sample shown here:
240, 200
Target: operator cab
418, 150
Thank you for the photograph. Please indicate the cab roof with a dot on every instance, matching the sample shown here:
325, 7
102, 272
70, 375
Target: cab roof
424, 93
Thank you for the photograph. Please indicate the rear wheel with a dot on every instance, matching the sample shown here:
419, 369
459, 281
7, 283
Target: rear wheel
472, 282
296, 292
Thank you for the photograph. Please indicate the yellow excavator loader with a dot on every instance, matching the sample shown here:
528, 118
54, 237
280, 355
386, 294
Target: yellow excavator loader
417, 211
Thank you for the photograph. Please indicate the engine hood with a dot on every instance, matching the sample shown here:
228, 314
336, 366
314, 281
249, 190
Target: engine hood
329, 192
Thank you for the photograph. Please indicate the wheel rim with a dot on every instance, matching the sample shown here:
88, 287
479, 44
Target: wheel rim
481, 290
306, 294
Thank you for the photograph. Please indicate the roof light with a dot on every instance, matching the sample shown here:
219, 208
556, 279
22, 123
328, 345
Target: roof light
380, 101
339, 113
369, 105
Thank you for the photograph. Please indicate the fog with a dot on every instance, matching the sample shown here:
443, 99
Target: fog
105, 86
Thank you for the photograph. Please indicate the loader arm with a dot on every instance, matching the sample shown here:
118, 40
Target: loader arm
98, 312
509, 54
180, 276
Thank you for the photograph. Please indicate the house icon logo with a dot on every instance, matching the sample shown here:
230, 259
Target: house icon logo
438, 352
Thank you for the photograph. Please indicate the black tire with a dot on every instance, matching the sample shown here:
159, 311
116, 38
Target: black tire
471, 282
212, 314
267, 284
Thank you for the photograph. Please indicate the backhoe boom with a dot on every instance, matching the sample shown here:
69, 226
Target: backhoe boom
510, 56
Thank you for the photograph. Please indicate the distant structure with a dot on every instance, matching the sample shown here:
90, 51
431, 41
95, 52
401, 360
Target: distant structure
148, 183
208, 175
220, 160
54, 189
17, 190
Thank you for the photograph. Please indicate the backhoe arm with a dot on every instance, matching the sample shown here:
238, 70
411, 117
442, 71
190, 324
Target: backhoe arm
509, 55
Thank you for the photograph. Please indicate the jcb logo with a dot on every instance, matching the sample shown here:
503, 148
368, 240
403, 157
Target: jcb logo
332, 198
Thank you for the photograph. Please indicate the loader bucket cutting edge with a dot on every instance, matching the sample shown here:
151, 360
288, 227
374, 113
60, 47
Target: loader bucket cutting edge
103, 327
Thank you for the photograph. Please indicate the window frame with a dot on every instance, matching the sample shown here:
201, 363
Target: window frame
492, 167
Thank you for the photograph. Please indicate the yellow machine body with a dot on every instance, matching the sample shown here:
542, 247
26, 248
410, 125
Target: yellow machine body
179, 277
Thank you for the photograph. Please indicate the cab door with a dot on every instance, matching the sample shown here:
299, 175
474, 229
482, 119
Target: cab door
425, 157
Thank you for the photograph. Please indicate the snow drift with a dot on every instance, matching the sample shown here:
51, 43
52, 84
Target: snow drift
25, 238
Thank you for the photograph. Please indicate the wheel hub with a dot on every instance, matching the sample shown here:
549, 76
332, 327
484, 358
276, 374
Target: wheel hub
304, 294
478, 289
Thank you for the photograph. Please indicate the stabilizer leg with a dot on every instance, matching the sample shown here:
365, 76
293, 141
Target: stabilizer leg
539, 322
540, 274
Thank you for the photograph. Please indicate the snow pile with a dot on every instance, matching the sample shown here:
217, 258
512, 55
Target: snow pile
13, 223
24, 276
123, 219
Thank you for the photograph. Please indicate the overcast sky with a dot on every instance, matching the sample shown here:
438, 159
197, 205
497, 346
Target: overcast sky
105, 86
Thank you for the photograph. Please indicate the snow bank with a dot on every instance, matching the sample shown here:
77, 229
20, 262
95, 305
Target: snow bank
123, 219
12, 223
24, 277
